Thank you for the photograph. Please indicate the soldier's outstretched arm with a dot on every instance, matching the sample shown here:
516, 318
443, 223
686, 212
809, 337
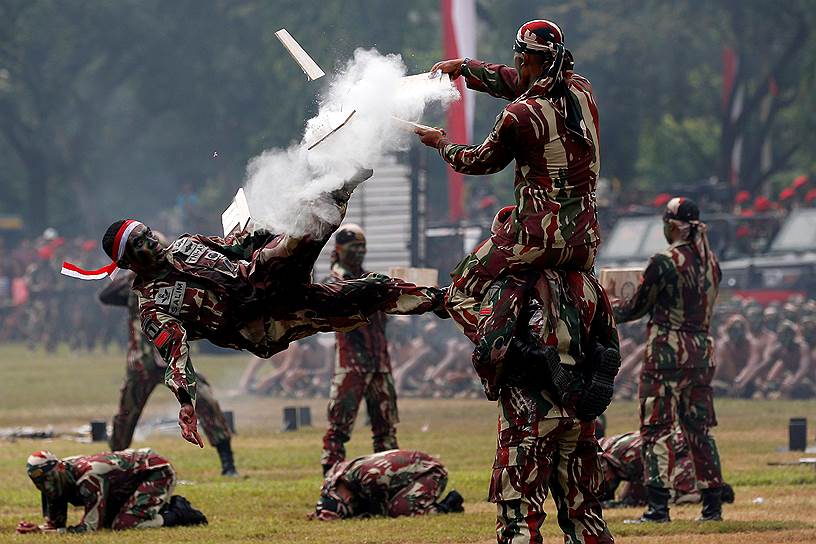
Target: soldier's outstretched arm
653, 282
491, 156
495, 79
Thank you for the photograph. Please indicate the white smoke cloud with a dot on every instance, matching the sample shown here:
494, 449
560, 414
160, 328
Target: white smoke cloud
286, 188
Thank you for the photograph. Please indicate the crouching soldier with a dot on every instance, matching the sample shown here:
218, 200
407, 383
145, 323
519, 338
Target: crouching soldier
390, 483
120, 490
623, 464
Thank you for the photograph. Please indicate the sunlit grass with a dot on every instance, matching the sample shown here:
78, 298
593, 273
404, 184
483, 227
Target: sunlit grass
283, 474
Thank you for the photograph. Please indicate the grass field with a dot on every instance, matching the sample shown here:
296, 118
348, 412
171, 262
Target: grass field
282, 474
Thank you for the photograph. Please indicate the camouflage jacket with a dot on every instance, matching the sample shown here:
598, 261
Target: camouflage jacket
375, 479
220, 289
141, 357
97, 481
365, 349
678, 292
556, 168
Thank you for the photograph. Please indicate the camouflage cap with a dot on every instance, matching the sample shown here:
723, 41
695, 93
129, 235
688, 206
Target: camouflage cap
682, 209
44, 469
538, 36
40, 463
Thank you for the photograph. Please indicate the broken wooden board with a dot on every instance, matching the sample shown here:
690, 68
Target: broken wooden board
236, 217
410, 126
309, 66
328, 131
424, 81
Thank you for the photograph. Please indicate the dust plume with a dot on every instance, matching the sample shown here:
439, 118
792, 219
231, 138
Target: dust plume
287, 188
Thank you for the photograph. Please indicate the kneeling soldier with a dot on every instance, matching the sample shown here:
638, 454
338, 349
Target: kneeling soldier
120, 490
390, 483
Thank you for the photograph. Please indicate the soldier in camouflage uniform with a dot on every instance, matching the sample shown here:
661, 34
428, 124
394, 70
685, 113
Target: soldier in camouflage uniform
550, 128
678, 291
362, 367
120, 490
623, 463
546, 430
389, 483
145, 370
247, 291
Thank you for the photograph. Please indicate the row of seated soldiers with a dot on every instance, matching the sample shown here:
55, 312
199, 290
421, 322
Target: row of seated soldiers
429, 359
761, 351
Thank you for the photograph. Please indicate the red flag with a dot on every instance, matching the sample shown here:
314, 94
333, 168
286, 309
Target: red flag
459, 41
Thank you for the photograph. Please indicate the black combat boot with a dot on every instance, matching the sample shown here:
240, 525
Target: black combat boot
452, 503
657, 507
227, 462
179, 512
712, 504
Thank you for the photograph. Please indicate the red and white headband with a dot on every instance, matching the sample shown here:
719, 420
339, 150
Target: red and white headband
119, 242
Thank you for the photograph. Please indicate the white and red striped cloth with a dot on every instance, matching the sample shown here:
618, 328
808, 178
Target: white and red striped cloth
122, 234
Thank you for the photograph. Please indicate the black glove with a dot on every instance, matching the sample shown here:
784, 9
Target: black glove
597, 395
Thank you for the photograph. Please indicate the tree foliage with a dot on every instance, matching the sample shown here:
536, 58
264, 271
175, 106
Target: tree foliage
106, 108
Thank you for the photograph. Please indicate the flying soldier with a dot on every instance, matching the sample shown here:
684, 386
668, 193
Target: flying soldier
248, 291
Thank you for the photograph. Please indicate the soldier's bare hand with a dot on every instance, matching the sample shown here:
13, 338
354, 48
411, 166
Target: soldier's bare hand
430, 136
189, 425
451, 66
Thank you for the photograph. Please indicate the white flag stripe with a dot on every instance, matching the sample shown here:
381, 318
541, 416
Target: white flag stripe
464, 28
75, 274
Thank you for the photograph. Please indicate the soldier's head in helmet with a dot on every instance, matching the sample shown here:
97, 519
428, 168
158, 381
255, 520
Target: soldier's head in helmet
134, 246
787, 333
350, 247
809, 331
771, 318
754, 317
48, 473
737, 328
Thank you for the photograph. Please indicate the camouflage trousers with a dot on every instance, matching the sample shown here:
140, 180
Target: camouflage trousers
139, 384
684, 397
496, 257
560, 458
420, 496
340, 306
347, 390
141, 509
